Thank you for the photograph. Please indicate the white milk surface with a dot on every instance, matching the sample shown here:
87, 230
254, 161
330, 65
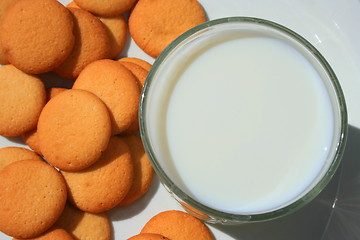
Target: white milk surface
249, 125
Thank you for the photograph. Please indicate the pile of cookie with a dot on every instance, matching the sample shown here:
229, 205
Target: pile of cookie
92, 158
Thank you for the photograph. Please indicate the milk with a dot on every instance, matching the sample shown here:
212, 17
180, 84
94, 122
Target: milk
244, 123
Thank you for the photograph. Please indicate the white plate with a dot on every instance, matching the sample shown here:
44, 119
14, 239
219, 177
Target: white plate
332, 27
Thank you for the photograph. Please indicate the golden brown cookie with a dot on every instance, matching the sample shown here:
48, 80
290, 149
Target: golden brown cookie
140, 74
12, 154
84, 225
116, 86
177, 225
142, 168
4, 6
106, 8
109, 179
116, 27
154, 24
73, 130
37, 36
22, 97
117, 30
30, 137
148, 236
142, 63
52, 234
91, 43
33, 196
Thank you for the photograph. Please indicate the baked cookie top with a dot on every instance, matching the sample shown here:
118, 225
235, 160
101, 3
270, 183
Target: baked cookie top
53, 234
4, 6
140, 74
154, 24
91, 43
177, 225
30, 137
117, 30
142, 63
37, 36
32, 197
106, 8
12, 154
116, 86
138, 71
73, 130
143, 170
22, 97
85, 225
109, 179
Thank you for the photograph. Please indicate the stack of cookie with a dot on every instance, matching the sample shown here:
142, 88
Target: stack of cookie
85, 134
47, 37
92, 158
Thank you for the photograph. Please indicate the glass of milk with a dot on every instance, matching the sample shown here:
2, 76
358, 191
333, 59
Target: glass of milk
243, 120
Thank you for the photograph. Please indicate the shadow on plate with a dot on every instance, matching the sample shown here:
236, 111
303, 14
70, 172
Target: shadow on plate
333, 215
16, 140
344, 223
126, 212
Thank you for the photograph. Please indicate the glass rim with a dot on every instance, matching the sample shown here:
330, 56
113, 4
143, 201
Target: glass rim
232, 217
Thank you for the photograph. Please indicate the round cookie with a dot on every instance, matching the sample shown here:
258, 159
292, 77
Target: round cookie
177, 225
22, 97
117, 30
148, 236
109, 179
84, 225
12, 154
143, 171
30, 137
37, 36
140, 74
73, 130
91, 43
142, 63
33, 196
107, 8
154, 24
4, 6
52, 234
116, 86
